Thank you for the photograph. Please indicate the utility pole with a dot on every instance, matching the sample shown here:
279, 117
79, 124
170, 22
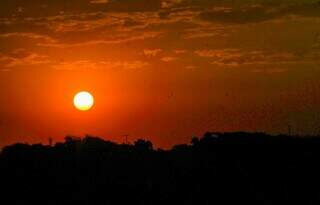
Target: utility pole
50, 141
126, 138
289, 130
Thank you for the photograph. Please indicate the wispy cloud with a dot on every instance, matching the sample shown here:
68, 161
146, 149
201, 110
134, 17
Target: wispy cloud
260, 11
168, 59
113, 40
237, 57
99, 1
35, 36
180, 51
182, 26
99, 65
28, 59
152, 52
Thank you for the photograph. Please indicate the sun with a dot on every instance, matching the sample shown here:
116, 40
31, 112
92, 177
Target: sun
83, 101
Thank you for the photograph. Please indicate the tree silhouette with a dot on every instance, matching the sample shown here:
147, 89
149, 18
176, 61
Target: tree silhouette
143, 145
195, 141
219, 168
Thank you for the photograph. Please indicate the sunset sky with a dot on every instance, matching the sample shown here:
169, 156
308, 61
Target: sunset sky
164, 70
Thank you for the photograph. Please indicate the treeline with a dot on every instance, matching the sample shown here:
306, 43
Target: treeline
219, 168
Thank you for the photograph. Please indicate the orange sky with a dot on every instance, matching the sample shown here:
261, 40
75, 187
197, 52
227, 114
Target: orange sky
165, 70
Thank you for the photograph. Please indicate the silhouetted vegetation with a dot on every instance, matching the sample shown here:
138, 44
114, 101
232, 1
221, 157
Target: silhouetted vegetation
219, 168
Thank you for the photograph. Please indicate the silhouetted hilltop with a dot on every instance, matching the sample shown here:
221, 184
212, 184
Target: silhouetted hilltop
219, 168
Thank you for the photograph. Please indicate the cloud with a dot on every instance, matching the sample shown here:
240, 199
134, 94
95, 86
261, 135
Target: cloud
191, 67
205, 32
99, 1
244, 10
249, 14
237, 57
168, 59
40, 8
255, 13
76, 65
134, 65
5, 70
93, 26
113, 40
151, 52
316, 43
170, 3
201, 25
23, 58
270, 70
180, 51
34, 36
98, 65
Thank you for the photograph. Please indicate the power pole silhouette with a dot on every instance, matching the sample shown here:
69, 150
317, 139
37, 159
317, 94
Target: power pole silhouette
126, 139
50, 141
289, 130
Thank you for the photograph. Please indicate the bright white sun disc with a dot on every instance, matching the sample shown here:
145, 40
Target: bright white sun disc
83, 101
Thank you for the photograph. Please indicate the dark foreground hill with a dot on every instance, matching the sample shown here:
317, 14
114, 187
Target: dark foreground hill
229, 168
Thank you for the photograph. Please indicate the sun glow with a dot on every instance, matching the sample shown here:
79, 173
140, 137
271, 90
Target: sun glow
83, 101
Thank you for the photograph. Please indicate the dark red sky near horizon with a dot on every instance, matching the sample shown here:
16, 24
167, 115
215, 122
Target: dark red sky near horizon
165, 70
